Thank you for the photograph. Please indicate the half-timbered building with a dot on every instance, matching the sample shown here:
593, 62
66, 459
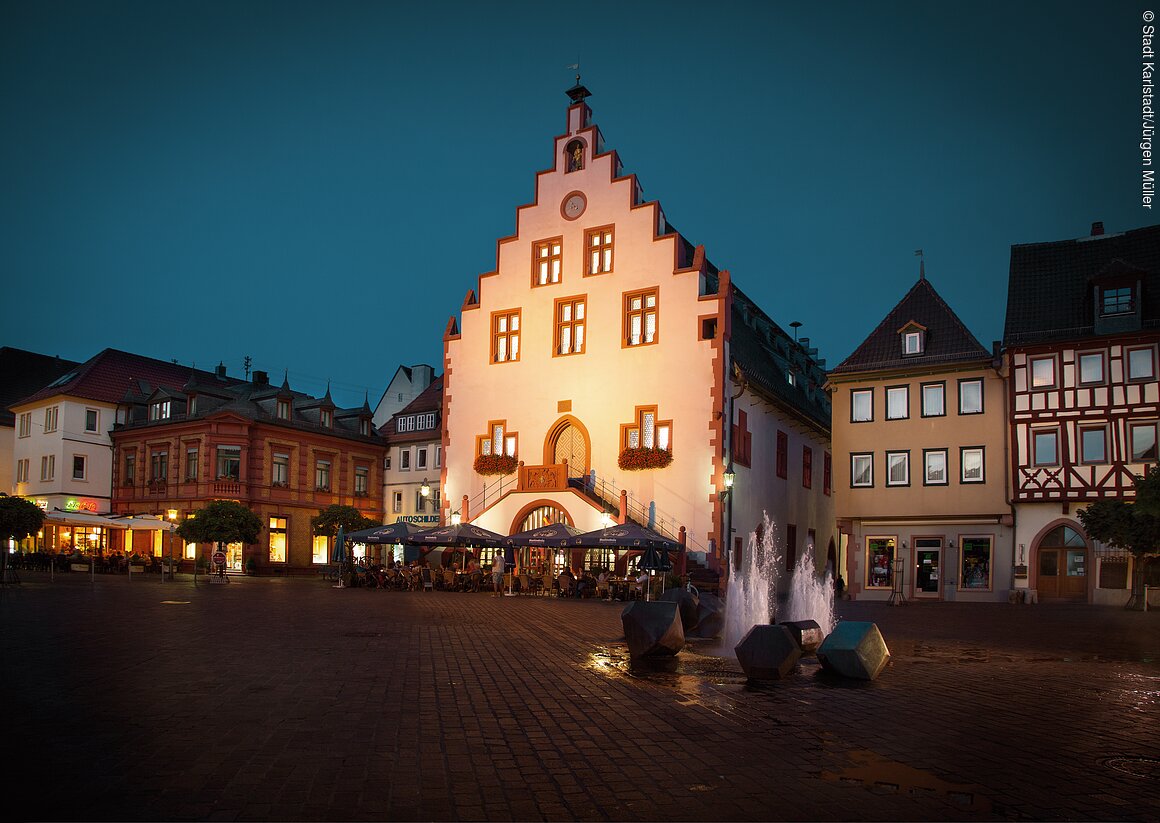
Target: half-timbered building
1081, 336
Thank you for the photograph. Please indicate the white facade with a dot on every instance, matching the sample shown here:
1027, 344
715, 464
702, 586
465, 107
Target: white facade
602, 331
407, 383
62, 454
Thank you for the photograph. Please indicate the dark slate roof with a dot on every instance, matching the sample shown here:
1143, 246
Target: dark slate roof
766, 354
1049, 294
107, 376
430, 399
22, 373
252, 401
947, 339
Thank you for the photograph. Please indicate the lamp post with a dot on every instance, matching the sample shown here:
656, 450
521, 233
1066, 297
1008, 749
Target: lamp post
171, 516
726, 495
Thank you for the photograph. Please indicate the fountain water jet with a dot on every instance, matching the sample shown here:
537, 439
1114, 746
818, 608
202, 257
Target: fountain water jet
752, 594
810, 597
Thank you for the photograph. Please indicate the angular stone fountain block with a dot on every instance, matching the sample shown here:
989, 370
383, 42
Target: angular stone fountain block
767, 652
686, 603
807, 633
710, 616
854, 649
653, 629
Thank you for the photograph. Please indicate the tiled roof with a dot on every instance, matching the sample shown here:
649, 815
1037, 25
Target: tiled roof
766, 356
251, 401
1049, 292
428, 400
947, 340
107, 376
22, 373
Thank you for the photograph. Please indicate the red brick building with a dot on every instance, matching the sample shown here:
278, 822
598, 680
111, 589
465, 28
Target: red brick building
284, 454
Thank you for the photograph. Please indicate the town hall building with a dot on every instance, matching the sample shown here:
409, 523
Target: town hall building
606, 369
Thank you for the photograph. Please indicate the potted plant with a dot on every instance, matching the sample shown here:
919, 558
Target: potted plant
641, 458
495, 464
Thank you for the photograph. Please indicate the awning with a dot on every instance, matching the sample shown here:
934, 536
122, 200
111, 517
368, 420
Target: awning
146, 521
56, 517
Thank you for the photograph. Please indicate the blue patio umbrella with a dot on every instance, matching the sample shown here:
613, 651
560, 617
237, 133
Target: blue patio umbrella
340, 546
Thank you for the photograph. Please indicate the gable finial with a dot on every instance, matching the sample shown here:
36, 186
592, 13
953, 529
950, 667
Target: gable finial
577, 93
921, 264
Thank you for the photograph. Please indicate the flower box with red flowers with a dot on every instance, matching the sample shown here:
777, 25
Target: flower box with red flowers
639, 459
495, 464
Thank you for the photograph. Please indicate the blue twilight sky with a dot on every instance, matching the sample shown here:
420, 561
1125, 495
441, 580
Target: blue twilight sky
317, 184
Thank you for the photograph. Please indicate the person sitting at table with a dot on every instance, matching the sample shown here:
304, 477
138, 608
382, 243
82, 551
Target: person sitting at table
602, 587
567, 581
586, 585
642, 581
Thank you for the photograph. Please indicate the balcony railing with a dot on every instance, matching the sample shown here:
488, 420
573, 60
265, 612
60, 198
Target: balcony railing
157, 486
230, 488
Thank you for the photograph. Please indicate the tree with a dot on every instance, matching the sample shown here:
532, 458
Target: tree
351, 519
221, 522
18, 519
1132, 526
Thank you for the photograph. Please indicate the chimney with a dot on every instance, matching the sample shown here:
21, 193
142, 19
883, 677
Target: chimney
1097, 228
261, 378
421, 377
220, 371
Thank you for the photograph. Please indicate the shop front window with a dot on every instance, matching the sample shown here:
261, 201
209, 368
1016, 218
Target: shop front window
879, 562
976, 563
277, 539
320, 551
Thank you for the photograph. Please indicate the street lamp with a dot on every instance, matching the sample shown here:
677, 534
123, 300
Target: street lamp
171, 516
606, 519
456, 518
425, 489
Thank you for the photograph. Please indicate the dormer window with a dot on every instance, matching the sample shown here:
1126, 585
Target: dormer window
157, 411
327, 418
283, 410
1116, 300
913, 338
364, 427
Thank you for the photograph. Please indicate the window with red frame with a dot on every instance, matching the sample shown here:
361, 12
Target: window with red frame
782, 454
742, 441
827, 473
807, 467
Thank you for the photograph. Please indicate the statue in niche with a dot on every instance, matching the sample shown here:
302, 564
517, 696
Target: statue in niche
575, 154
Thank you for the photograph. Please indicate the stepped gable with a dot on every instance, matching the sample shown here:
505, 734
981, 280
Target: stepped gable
107, 376
947, 339
1049, 290
24, 372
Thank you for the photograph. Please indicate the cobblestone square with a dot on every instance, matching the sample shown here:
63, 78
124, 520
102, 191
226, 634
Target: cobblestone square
277, 699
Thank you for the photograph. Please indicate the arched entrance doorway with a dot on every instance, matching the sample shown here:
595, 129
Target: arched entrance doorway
568, 440
540, 559
1062, 565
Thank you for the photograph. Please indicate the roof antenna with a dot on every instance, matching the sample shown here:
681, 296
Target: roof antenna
921, 264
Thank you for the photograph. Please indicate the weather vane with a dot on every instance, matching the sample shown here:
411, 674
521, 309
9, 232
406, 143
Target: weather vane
576, 66
921, 264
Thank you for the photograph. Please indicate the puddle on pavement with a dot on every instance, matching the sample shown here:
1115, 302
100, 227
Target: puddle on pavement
883, 776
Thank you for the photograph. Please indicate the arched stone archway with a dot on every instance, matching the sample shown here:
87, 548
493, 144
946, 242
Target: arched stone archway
532, 516
568, 439
1060, 559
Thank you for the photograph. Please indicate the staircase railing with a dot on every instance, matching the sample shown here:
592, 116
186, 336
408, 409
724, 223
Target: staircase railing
493, 492
639, 512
